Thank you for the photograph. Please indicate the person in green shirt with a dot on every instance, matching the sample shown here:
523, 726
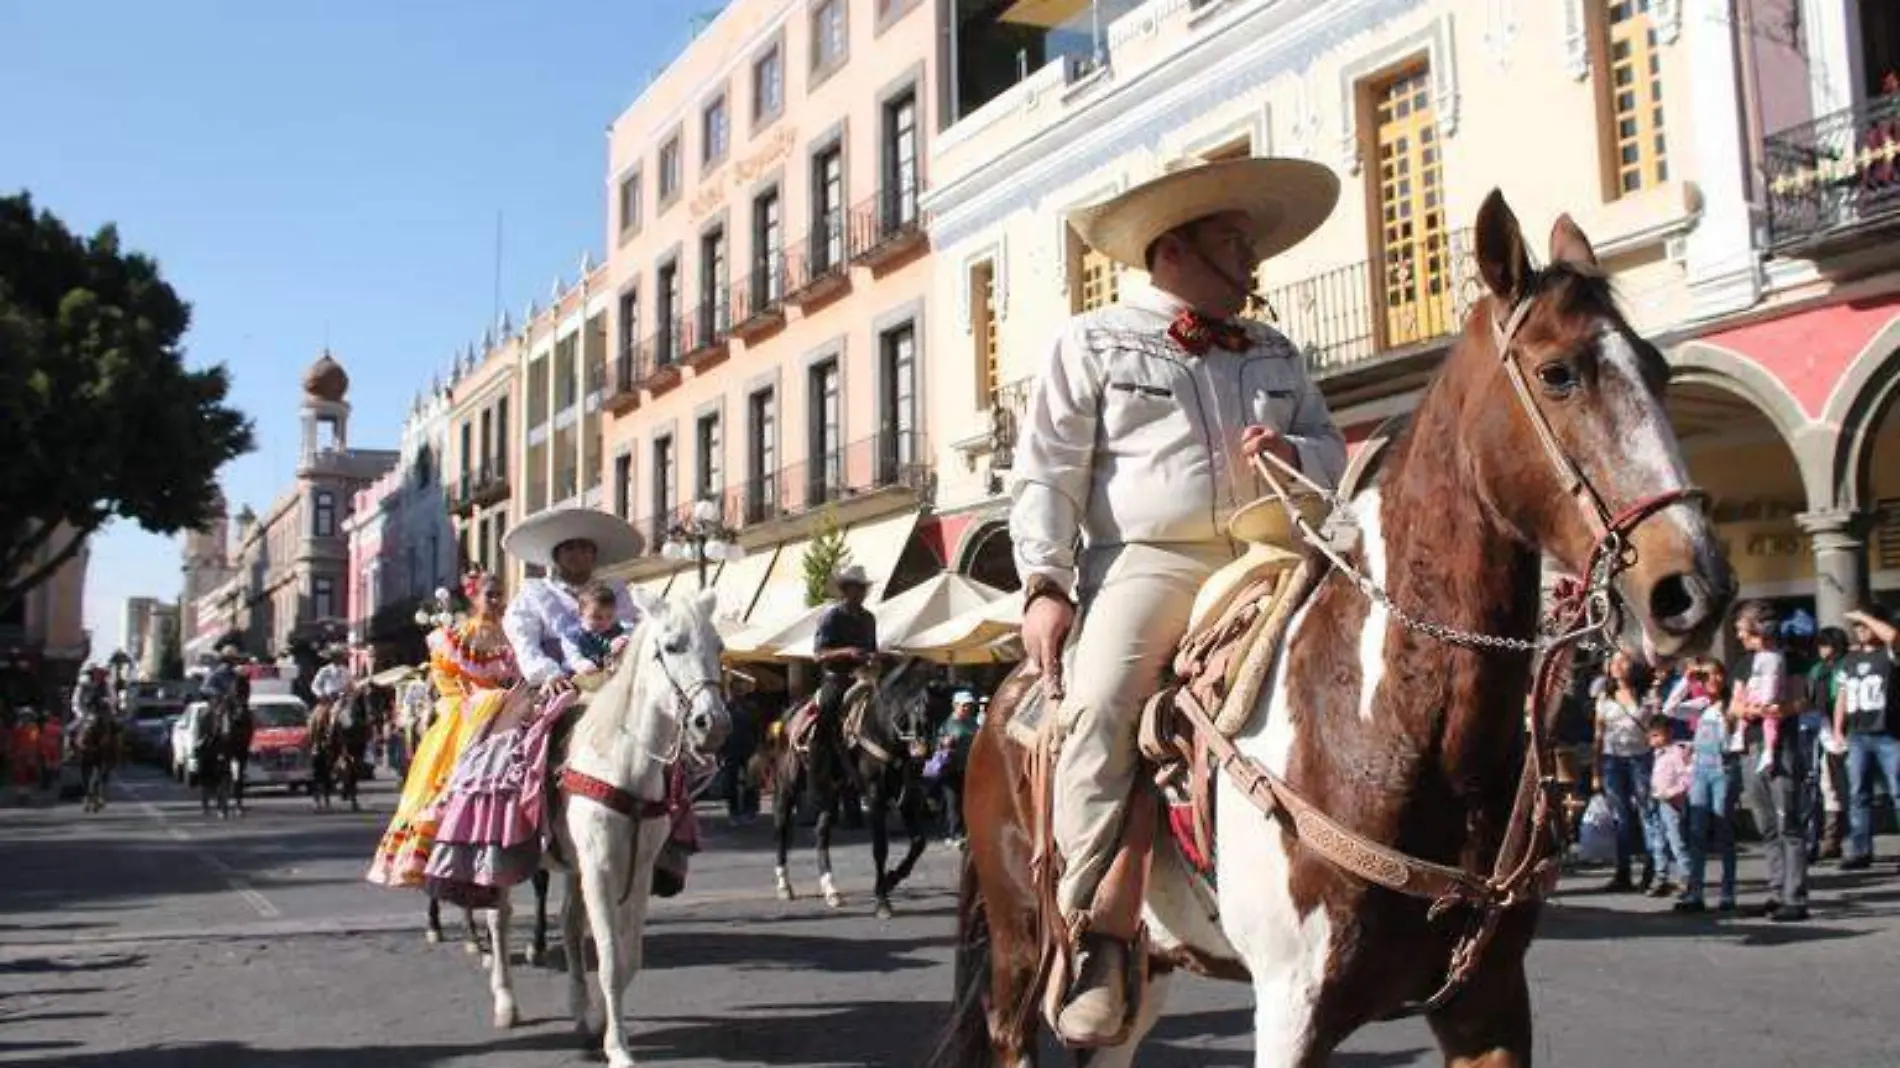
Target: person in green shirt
953, 753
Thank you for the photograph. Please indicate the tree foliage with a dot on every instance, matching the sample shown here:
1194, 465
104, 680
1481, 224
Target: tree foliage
826, 554
99, 418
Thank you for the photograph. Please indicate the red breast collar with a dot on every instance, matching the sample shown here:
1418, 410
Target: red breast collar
606, 793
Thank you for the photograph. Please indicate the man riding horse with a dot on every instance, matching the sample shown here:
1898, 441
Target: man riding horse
1135, 442
224, 734
544, 622
845, 642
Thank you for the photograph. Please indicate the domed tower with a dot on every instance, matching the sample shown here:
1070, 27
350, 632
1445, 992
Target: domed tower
326, 415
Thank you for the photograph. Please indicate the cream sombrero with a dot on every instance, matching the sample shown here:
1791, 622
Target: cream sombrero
1287, 199
534, 540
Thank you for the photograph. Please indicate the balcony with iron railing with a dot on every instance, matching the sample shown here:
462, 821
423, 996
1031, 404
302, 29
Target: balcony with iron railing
758, 300
1835, 182
887, 226
816, 268
894, 465
623, 393
1369, 313
480, 487
704, 333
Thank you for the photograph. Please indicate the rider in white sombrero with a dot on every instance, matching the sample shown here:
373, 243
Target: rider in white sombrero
569, 544
1135, 444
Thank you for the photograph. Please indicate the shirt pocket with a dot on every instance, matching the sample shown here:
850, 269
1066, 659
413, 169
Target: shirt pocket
1142, 407
1269, 393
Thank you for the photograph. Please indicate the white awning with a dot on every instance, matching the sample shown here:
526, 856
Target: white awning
919, 608
738, 586
780, 616
983, 635
877, 545
782, 595
658, 585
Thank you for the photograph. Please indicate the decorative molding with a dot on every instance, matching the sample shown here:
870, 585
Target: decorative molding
1576, 40
1138, 111
997, 253
1105, 191
1435, 41
1500, 31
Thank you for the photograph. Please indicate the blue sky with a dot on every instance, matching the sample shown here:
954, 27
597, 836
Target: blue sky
324, 170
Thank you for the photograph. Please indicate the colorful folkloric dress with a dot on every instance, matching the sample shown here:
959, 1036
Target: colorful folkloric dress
471, 666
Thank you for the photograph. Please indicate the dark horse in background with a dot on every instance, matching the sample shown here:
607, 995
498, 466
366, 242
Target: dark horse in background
224, 750
96, 742
879, 745
339, 743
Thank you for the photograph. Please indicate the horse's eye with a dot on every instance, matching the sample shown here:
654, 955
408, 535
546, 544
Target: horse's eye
676, 644
1557, 377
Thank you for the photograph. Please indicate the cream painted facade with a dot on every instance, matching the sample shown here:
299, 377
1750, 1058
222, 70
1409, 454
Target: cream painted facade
770, 289
1644, 120
43, 638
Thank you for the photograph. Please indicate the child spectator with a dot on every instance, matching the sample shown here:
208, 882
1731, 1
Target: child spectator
1669, 785
1714, 787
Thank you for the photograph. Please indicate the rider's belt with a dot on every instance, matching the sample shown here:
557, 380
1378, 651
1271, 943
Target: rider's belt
582, 785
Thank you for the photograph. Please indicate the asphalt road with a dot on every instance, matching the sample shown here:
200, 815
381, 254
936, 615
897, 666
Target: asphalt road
149, 937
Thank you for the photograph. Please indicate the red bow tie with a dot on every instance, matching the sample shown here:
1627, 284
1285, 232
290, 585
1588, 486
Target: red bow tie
1197, 333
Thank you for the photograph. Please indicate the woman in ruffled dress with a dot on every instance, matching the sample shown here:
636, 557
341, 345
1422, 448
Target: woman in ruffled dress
472, 666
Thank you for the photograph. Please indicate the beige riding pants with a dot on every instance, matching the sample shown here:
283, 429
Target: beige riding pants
1135, 603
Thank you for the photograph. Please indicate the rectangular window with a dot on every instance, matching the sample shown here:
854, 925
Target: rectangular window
897, 447
709, 461
768, 85
899, 201
629, 370
566, 372
983, 327
713, 319
500, 528
323, 518
768, 250
470, 461
630, 204
1419, 303
665, 488
666, 349
323, 597
1631, 76
827, 34
1098, 282
762, 456
623, 485
488, 444
827, 225
713, 133
670, 170
827, 425
500, 459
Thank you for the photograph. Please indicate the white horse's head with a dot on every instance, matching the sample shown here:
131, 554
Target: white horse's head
666, 693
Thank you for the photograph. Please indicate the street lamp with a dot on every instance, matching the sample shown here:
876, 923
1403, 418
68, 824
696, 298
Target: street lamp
703, 536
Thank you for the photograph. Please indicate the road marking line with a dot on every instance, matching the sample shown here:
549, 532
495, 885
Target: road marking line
233, 879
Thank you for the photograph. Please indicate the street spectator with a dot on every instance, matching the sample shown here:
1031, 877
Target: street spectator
1829, 646
1669, 786
950, 759
1624, 767
52, 750
25, 753
1862, 715
1714, 786
1773, 784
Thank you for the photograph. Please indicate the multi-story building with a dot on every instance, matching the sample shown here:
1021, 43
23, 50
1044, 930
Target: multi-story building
1733, 163
207, 565
481, 459
401, 546
134, 620
291, 581
159, 626
43, 638
769, 285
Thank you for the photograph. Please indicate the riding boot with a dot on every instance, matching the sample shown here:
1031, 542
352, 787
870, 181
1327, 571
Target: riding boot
1833, 830
1097, 1004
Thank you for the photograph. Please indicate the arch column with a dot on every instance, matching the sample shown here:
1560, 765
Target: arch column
1840, 560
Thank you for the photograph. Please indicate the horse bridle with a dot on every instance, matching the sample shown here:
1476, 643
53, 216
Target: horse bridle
685, 699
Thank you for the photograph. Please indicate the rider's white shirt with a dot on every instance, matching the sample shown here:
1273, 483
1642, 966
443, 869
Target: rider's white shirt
544, 613
330, 682
1130, 439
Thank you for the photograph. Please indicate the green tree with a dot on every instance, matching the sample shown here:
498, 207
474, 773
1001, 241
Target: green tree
171, 652
823, 557
99, 419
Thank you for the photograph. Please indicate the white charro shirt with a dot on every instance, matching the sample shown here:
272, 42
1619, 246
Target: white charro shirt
1129, 438
542, 619
330, 682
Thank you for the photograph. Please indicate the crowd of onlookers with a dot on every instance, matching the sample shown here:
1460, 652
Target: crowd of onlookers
1793, 731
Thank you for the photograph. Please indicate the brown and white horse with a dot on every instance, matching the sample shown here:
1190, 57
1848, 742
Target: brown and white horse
1406, 738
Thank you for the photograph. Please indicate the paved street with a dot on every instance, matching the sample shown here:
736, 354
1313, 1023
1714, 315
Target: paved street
148, 937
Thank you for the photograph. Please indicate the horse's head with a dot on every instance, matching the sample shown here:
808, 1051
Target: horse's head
674, 656
1567, 440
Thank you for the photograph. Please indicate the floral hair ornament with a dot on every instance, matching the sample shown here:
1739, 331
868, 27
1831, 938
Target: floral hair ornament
472, 583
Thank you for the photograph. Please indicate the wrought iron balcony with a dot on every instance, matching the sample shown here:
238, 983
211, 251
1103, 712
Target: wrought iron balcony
624, 393
1835, 180
1367, 312
887, 226
816, 268
891, 462
758, 300
704, 333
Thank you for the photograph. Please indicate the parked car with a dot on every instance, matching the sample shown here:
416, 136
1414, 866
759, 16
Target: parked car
148, 711
280, 746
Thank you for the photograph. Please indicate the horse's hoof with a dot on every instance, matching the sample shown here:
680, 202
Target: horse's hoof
506, 1017
537, 956
883, 909
471, 948
432, 936
786, 893
834, 900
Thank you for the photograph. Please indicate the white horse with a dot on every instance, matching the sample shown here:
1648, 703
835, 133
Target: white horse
663, 702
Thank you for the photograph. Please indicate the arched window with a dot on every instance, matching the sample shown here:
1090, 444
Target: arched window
324, 524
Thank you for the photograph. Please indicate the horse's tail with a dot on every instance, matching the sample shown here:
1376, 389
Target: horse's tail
965, 1042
